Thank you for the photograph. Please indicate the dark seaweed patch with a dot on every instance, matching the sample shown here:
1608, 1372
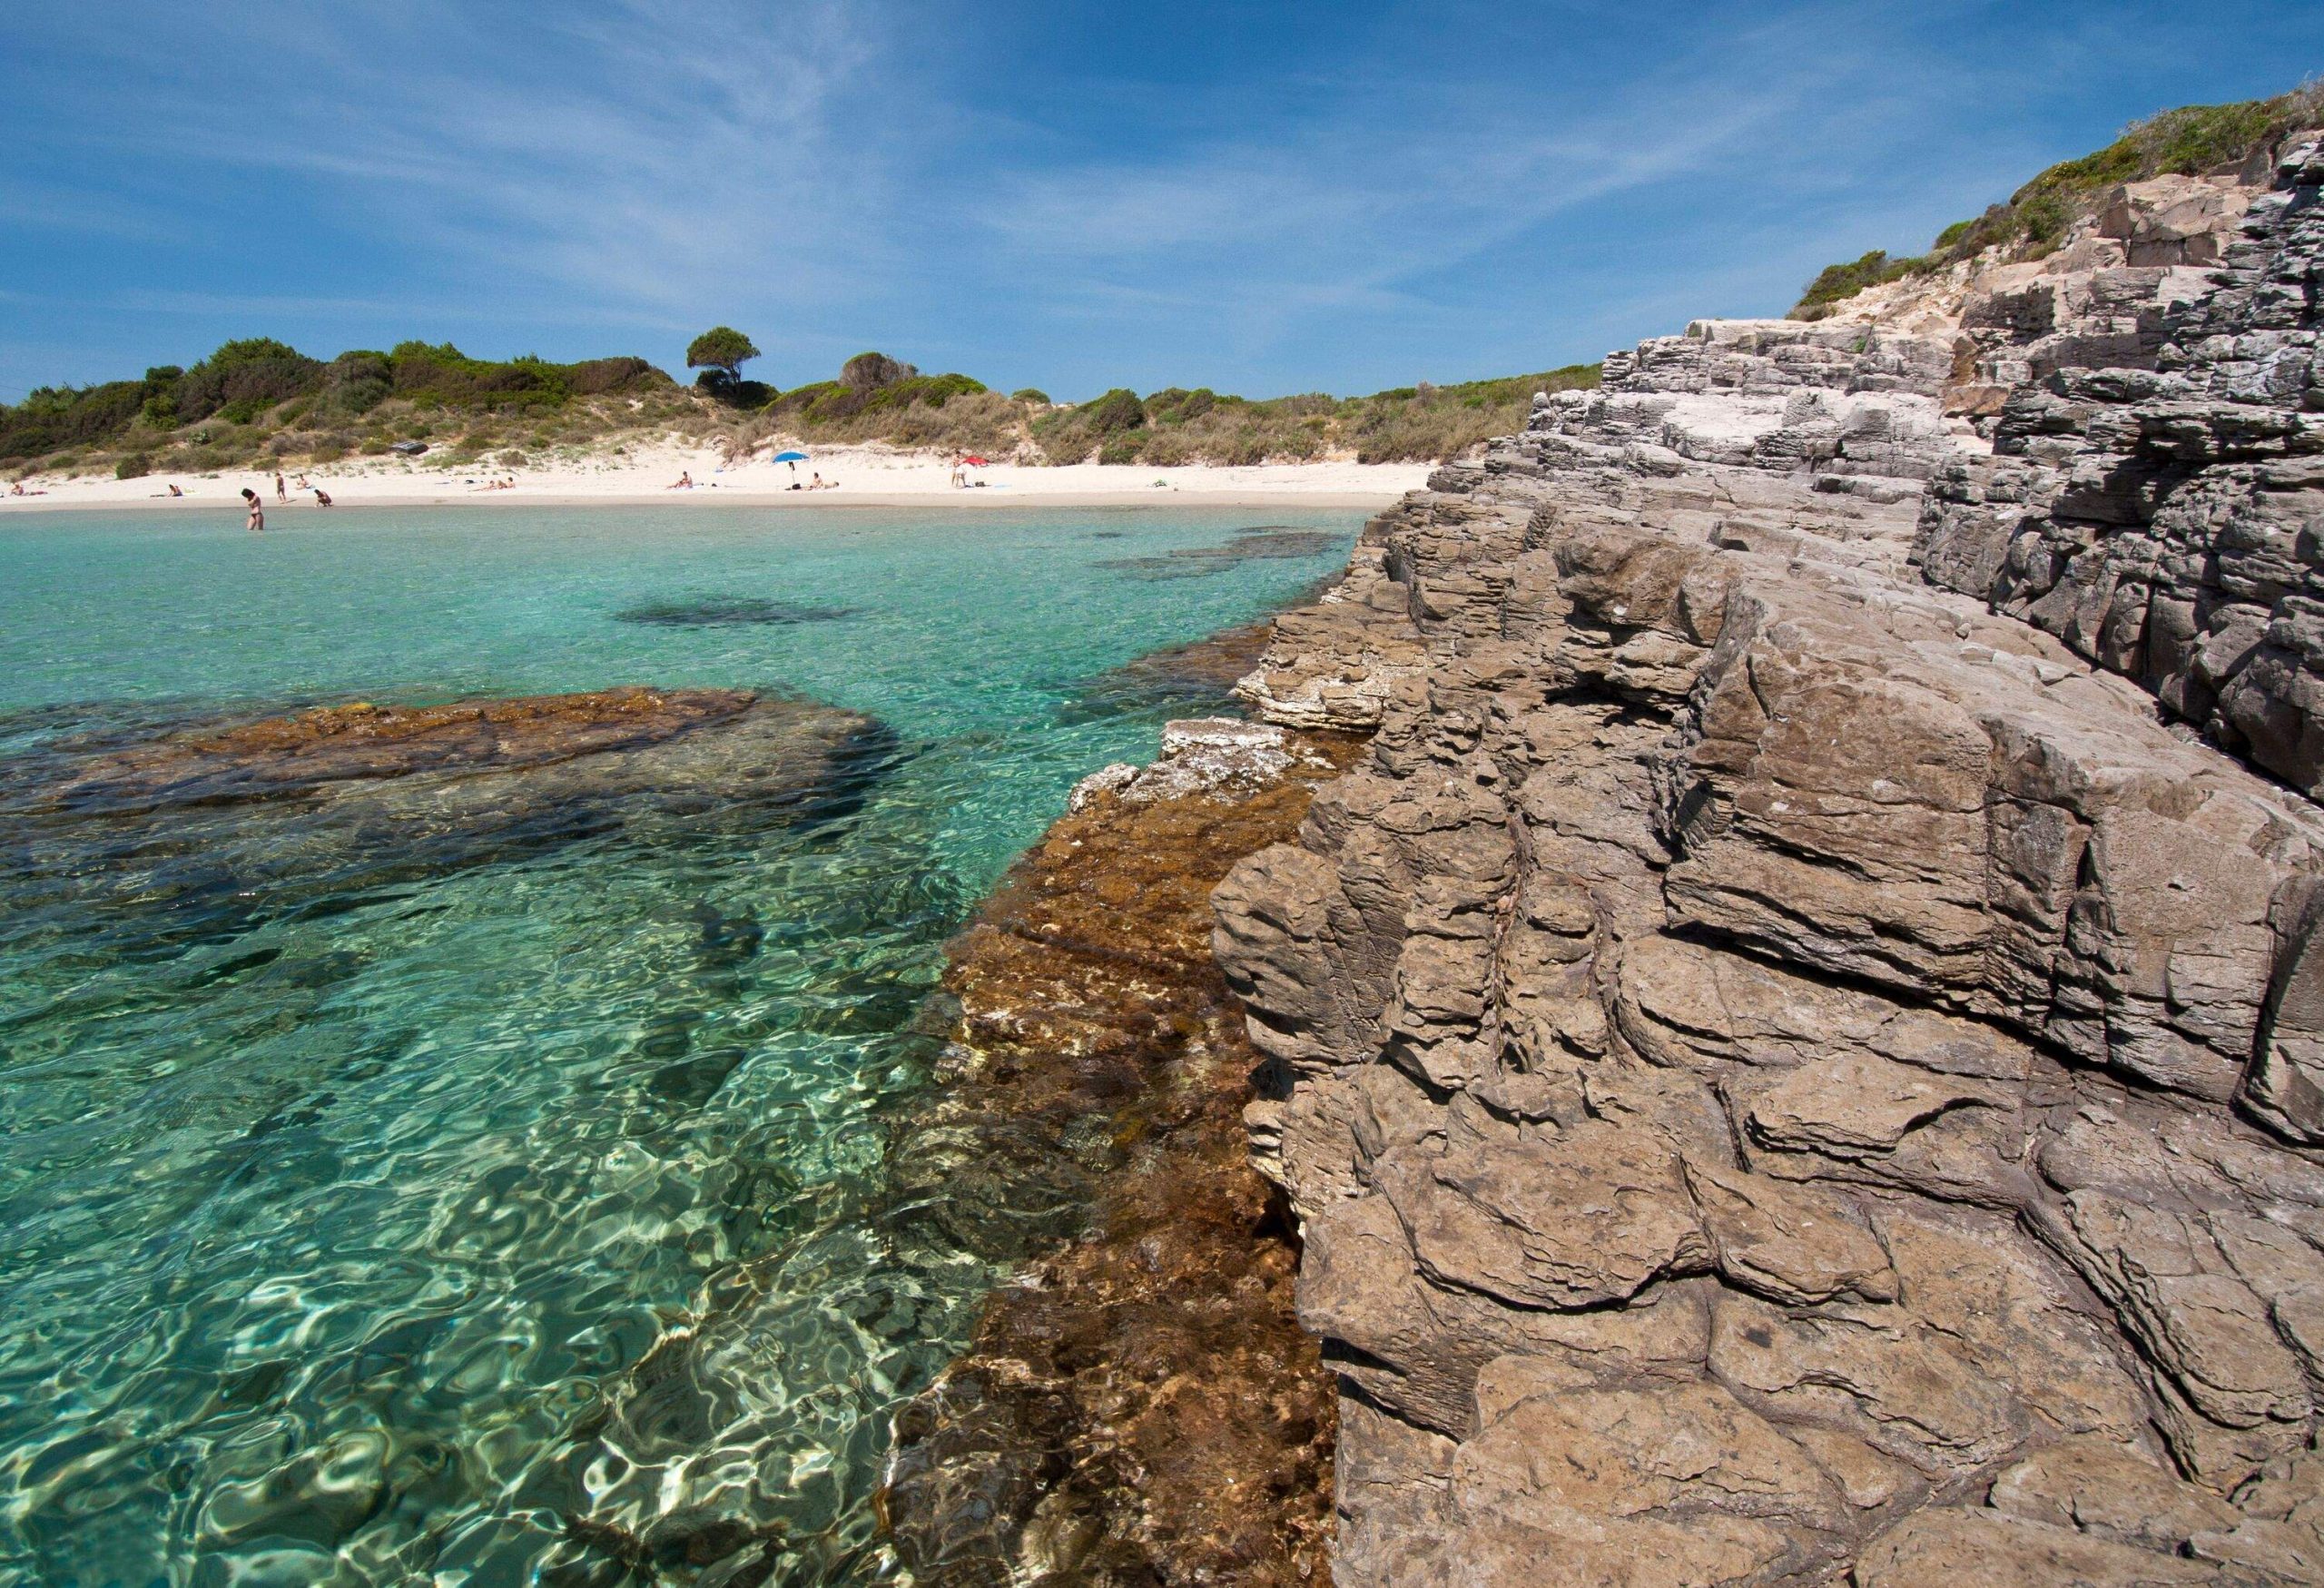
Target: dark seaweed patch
723, 611
1262, 542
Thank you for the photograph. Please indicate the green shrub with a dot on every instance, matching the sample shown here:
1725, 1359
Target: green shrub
1120, 450
512, 459
1165, 448
373, 447
326, 452
1031, 394
870, 371
1119, 409
136, 465
1845, 280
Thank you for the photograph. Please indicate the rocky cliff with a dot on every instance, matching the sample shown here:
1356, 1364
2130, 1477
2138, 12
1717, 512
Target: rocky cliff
1795, 1055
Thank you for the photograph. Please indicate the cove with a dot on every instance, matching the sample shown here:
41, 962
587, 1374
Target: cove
379, 1184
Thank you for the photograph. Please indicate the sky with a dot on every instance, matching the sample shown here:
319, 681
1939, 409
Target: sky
1258, 198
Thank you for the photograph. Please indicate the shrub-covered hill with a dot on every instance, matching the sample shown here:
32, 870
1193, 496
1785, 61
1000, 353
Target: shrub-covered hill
261, 402
1409, 424
2190, 140
260, 396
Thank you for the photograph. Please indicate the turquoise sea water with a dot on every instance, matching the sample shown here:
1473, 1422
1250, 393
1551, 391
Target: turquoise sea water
381, 1221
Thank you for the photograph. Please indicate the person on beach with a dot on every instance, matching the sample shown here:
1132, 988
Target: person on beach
960, 470
322, 498
684, 482
280, 495
258, 510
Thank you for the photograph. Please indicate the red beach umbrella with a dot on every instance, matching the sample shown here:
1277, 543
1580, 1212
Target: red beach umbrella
977, 462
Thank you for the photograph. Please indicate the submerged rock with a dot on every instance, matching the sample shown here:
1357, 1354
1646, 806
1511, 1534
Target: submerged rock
213, 826
1263, 542
290, 757
727, 611
1138, 1405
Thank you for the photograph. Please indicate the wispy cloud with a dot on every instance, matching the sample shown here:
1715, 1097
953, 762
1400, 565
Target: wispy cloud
1268, 197
641, 154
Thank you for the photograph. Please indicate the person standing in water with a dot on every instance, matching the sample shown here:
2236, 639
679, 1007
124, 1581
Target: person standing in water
258, 510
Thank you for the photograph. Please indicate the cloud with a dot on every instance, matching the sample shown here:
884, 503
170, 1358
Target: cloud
638, 154
1262, 197
1355, 217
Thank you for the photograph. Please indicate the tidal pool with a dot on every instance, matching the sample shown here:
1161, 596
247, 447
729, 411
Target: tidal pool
387, 1197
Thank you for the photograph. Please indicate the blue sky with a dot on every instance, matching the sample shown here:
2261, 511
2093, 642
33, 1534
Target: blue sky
1257, 198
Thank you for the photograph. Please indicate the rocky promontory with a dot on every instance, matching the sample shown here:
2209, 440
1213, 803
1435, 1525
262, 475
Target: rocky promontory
1797, 1054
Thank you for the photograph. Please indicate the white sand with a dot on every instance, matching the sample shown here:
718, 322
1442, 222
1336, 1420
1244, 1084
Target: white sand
866, 477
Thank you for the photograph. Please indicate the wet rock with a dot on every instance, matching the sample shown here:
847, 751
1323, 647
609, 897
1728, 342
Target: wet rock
1262, 542
226, 823
301, 755
1139, 1405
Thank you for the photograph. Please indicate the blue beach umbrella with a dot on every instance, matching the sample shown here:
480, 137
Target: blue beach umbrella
788, 457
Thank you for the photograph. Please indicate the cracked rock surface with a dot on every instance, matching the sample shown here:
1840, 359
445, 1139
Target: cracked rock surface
1798, 1052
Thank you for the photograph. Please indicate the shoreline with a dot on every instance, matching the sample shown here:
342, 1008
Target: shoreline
980, 501
865, 476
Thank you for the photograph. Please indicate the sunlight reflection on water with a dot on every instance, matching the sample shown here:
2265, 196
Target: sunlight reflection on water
380, 1202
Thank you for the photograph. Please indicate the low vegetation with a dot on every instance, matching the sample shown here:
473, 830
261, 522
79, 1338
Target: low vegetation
1409, 424
262, 404
2190, 140
261, 401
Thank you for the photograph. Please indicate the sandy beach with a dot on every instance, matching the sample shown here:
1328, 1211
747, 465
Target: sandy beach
863, 477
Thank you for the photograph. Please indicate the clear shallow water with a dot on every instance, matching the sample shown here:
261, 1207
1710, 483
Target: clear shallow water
372, 1239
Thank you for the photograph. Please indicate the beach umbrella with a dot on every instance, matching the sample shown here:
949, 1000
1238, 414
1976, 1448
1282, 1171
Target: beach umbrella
977, 462
788, 457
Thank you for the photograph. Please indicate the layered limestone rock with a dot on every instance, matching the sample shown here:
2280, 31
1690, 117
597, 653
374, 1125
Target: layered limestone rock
2168, 524
1790, 1071
2103, 298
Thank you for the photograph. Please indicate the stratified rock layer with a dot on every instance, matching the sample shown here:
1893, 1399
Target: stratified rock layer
1787, 1073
